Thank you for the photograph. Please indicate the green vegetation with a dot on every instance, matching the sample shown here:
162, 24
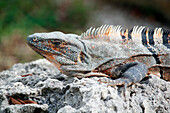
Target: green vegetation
20, 18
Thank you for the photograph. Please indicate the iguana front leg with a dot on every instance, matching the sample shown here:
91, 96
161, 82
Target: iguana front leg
128, 74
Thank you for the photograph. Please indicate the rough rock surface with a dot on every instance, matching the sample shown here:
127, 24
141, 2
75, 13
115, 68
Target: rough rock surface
55, 92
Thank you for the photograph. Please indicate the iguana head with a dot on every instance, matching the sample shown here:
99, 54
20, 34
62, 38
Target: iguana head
59, 48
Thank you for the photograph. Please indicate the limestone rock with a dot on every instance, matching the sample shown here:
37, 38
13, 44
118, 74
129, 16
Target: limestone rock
55, 92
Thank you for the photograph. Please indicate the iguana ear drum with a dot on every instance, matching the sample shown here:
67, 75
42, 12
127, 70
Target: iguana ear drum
80, 57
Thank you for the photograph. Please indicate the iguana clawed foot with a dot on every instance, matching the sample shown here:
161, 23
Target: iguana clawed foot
128, 74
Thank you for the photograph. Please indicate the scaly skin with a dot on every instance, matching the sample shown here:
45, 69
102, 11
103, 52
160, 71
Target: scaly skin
107, 51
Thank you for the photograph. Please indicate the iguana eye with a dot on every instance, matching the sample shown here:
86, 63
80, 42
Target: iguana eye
56, 43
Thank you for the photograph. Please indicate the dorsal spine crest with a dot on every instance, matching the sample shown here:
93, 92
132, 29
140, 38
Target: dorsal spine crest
116, 33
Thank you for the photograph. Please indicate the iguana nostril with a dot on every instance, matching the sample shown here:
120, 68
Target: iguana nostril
34, 39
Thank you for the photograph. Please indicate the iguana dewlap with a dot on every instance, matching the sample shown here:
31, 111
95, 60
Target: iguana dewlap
107, 51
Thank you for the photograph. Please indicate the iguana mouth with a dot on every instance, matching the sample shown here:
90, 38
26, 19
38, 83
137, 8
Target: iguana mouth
43, 50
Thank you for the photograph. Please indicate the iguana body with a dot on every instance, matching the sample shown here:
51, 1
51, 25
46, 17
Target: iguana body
107, 51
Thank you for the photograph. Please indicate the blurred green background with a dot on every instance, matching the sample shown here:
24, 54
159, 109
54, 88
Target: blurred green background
18, 19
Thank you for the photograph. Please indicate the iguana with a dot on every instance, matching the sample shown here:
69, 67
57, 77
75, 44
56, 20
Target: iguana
107, 51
